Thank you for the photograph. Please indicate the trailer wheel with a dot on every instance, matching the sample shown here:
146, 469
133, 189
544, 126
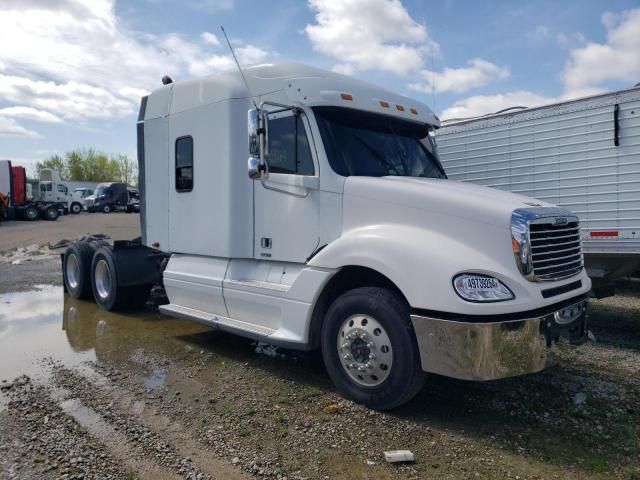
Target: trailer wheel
31, 213
76, 271
106, 209
51, 213
369, 348
107, 293
76, 208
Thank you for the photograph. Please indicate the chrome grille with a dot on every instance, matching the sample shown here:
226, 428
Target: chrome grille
556, 250
89, 202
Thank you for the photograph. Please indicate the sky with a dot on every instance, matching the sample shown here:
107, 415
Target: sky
72, 71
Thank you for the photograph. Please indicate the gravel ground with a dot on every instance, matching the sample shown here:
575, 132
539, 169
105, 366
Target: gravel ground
162, 398
119, 226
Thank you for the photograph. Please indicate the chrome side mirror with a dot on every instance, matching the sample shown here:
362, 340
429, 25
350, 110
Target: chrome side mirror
252, 131
258, 134
253, 167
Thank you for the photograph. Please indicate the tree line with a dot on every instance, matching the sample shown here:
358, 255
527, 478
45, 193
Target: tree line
91, 166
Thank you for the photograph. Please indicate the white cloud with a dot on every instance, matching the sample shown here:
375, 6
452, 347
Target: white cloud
617, 59
76, 60
29, 113
369, 34
460, 80
210, 38
10, 128
484, 104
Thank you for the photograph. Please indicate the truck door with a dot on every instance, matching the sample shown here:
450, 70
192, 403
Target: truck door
286, 204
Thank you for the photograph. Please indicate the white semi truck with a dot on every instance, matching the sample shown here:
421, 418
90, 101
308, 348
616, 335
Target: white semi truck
54, 189
583, 155
341, 232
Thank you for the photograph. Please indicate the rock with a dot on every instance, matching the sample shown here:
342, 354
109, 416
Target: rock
397, 456
579, 399
331, 408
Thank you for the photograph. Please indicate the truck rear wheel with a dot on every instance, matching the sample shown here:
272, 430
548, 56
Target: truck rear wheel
369, 348
107, 291
51, 213
76, 271
31, 213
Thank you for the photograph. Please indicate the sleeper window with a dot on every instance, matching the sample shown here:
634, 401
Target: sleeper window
289, 150
184, 164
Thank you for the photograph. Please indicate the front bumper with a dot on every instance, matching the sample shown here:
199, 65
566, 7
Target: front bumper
489, 350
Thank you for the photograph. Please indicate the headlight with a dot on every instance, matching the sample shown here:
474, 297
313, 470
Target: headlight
481, 288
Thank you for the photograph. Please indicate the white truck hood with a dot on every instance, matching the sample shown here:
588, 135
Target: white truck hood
449, 197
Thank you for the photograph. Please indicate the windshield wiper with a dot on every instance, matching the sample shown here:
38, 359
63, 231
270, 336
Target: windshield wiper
378, 155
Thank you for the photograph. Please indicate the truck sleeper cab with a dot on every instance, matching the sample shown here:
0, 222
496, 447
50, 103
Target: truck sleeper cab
341, 232
108, 197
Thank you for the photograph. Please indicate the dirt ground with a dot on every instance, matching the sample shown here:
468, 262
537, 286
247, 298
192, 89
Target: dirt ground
90, 394
120, 226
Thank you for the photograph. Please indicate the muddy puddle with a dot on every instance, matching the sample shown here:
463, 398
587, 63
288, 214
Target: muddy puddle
45, 323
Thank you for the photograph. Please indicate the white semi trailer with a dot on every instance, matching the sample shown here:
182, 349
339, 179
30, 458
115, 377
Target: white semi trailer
341, 232
583, 155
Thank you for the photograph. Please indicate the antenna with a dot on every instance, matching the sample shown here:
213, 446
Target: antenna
239, 67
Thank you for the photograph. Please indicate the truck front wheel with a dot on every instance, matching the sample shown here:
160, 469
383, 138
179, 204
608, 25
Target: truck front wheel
76, 208
106, 208
369, 348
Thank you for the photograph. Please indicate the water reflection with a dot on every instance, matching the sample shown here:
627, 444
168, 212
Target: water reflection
30, 330
46, 323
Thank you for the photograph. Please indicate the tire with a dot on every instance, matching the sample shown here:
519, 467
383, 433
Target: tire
108, 294
76, 208
390, 378
106, 209
76, 271
31, 213
51, 214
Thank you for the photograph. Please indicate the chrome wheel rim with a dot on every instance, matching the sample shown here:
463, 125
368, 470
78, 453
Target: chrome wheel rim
103, 279
32, 213
364, 349
73, 271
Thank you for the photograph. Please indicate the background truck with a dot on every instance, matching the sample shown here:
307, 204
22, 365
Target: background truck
340, 232
583, 155
109, 197
70, 194
13, 185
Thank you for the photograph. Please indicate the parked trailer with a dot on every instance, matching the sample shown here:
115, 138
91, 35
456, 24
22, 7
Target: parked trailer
341, 232
13, 184
583, 155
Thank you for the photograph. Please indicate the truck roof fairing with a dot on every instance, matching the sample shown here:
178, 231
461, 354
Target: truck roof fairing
299, 84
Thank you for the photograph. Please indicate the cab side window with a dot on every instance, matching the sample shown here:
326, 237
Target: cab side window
289, 150
62, 189
184, 164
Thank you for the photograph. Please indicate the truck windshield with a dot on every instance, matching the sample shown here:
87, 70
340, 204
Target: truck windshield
373, 145
100, 189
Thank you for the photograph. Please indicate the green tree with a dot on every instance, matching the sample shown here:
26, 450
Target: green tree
54, 162
75, 165
128, 170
